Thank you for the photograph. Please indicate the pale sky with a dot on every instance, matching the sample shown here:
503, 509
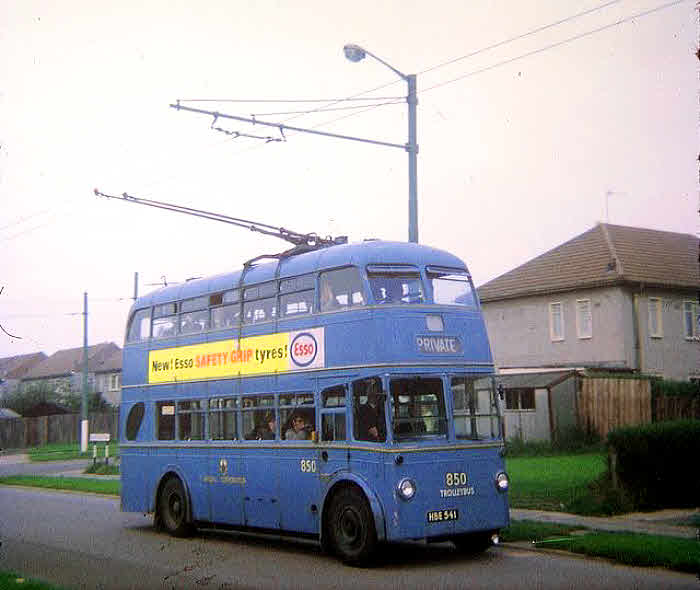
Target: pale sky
516, 153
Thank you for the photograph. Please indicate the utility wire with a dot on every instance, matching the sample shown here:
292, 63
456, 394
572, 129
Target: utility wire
292, 100
524, 55
521, 36
432, 68
557, 44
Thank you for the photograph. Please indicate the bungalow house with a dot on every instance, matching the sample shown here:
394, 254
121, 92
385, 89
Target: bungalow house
13, 368
615, 298
63, 371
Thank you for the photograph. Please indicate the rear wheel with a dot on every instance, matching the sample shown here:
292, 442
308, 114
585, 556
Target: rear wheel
353, 537
172, 509
473, 543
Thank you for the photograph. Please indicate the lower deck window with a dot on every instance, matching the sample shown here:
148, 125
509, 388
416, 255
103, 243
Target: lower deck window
223, 419
418, 408
165, 423
476, 414
190, 418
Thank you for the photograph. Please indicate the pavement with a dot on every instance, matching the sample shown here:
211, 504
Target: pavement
671, 523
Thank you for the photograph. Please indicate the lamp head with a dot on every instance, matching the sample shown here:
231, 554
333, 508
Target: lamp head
354, 52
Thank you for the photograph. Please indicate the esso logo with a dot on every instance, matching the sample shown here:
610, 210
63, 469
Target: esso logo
304, 349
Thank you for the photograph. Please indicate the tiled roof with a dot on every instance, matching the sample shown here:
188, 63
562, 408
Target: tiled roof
14, 367
65, 362
112, 363
604, 255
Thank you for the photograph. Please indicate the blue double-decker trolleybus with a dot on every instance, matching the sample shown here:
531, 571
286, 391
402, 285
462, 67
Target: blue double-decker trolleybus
343, 392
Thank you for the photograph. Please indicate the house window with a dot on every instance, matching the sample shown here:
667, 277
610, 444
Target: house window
520, 399
690, 319
114, 382
556, 321
584, 321
655, 318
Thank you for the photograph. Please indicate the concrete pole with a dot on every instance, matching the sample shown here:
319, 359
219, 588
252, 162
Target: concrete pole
84, 404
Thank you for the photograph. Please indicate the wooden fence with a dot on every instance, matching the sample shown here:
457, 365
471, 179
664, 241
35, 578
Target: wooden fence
677, 407
22, 433
607, 403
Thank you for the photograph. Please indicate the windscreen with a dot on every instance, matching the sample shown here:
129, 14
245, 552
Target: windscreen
476, 415
451, 287
418, 408
396, 286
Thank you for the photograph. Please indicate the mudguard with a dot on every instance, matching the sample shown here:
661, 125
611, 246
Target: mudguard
374, 503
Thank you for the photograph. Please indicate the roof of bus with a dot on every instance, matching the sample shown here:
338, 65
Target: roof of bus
357, 254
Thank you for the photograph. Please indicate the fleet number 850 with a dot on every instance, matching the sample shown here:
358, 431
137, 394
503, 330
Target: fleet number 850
456, 479
308, 466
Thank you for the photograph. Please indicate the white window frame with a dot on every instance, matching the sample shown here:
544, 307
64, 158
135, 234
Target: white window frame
690, 307
556, 337
113, 379
656, 312
584, 330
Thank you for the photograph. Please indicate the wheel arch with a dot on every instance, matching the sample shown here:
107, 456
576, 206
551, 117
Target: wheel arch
172, 472
350, 480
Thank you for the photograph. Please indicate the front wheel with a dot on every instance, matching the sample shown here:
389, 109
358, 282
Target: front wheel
172, 509
353, 537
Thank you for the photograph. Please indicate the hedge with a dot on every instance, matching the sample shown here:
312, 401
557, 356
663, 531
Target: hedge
656, 464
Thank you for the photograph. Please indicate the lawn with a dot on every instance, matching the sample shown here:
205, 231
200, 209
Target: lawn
76, 484
557, 482
68, 451
639, 550
12, 580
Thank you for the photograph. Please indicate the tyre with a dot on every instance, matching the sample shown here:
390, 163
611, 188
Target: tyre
172, 509
473, 543
352, 535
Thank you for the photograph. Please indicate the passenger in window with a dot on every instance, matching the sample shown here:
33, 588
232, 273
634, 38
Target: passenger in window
266, 430
299, 429
370, 417
328, 299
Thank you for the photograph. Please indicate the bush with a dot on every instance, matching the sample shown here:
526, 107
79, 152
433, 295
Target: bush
656, 463
674, 388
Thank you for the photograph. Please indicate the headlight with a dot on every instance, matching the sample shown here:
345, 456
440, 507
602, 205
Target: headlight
502, 482
406, 489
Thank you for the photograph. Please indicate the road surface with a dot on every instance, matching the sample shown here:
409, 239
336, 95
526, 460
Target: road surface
84, 541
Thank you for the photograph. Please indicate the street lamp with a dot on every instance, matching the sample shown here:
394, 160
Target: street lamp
356, 53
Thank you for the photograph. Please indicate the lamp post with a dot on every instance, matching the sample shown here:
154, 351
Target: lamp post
356, 53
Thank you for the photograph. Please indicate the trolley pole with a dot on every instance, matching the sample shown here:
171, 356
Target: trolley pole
84, 404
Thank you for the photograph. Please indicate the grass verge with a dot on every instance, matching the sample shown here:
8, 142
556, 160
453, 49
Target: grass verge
66, 452
12, 580
632, 549
102, 469
638, 550
75, 484
560, 483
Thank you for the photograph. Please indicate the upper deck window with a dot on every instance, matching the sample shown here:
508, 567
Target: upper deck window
297, 295
165, 320
139, 326
451, 287
395, 284
341, 288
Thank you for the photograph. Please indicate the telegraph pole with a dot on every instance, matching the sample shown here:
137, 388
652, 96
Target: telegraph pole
84, 404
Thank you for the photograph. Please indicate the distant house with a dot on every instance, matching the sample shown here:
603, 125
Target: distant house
615, 298
13, 368
108, 378
63, 371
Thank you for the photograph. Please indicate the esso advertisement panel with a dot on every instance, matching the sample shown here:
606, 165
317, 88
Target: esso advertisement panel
275, 353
